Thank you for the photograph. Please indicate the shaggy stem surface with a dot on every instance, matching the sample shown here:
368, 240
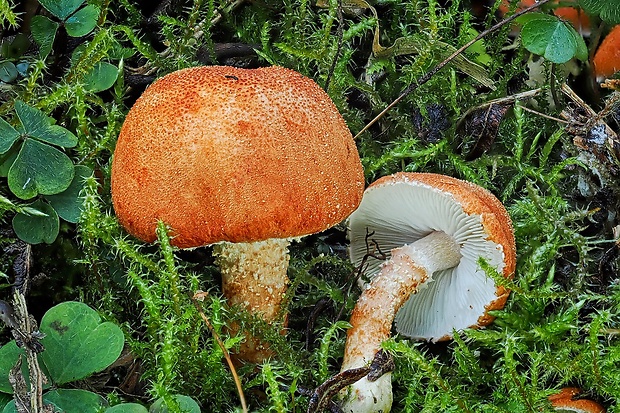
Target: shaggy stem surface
373, 315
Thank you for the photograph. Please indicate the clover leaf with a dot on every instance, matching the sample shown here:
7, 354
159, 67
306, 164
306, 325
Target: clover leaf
43, 32
61, 8
186, 404
78, 22
68, 204
82, 22
35, 229
37, 125
101, 77
552, 38
127, 408
607, 10
68, 401
37, 167
77, 343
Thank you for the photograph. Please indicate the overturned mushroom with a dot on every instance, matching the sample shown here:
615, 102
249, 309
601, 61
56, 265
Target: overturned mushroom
245, 159
438, 229
567, 400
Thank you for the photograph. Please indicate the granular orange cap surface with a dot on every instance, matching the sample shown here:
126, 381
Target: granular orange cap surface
239, 155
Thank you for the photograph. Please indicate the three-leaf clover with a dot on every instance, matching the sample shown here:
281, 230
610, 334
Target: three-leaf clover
39, 167
36, 167
77, 21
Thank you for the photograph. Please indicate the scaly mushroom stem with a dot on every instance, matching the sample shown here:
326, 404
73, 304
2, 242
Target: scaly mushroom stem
373, 315
254, 277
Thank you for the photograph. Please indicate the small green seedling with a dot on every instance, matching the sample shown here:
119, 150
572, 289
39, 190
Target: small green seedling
77, 21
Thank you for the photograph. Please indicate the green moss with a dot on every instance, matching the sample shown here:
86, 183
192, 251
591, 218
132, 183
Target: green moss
560, 325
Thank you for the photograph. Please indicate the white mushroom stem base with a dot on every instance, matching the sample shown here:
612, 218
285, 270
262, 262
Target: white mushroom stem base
373, 315
254, 277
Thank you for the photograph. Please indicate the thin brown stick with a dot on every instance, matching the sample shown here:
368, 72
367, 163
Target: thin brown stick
542, 115
199, 296
441, 65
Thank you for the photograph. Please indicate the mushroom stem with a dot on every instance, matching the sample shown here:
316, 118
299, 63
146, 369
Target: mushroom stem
373, 315
254, 277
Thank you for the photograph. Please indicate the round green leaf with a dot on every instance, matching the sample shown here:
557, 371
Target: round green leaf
7, 159
82, 21
43, 32
127, 408
39, 169
549, 37
186, 403
68, 204
38, 125
9, 353
74, 401
77, 343
8, 136
101, 77
4, 400
61, 8
607, 10
35, 229
8, 72
17, 47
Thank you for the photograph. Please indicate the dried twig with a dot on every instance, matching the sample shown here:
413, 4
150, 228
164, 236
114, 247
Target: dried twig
441, 65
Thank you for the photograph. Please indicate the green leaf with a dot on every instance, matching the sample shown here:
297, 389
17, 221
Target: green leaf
127, 408
83, 21
68, 204
16, 47
101, 77
186, 403
4, 400
8, 136
77, 343
7, 159
43, 32
75, 400
38, 125
68, 401
8, 357
35, 229
39, 169
551, 38
607, 10
8, 72
61, 8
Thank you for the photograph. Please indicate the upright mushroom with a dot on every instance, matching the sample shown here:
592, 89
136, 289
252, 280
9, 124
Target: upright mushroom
437, 230
246, 159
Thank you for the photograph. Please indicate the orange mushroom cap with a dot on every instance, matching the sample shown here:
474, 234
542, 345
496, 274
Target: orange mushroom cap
607, 58
227, 154
564, 401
